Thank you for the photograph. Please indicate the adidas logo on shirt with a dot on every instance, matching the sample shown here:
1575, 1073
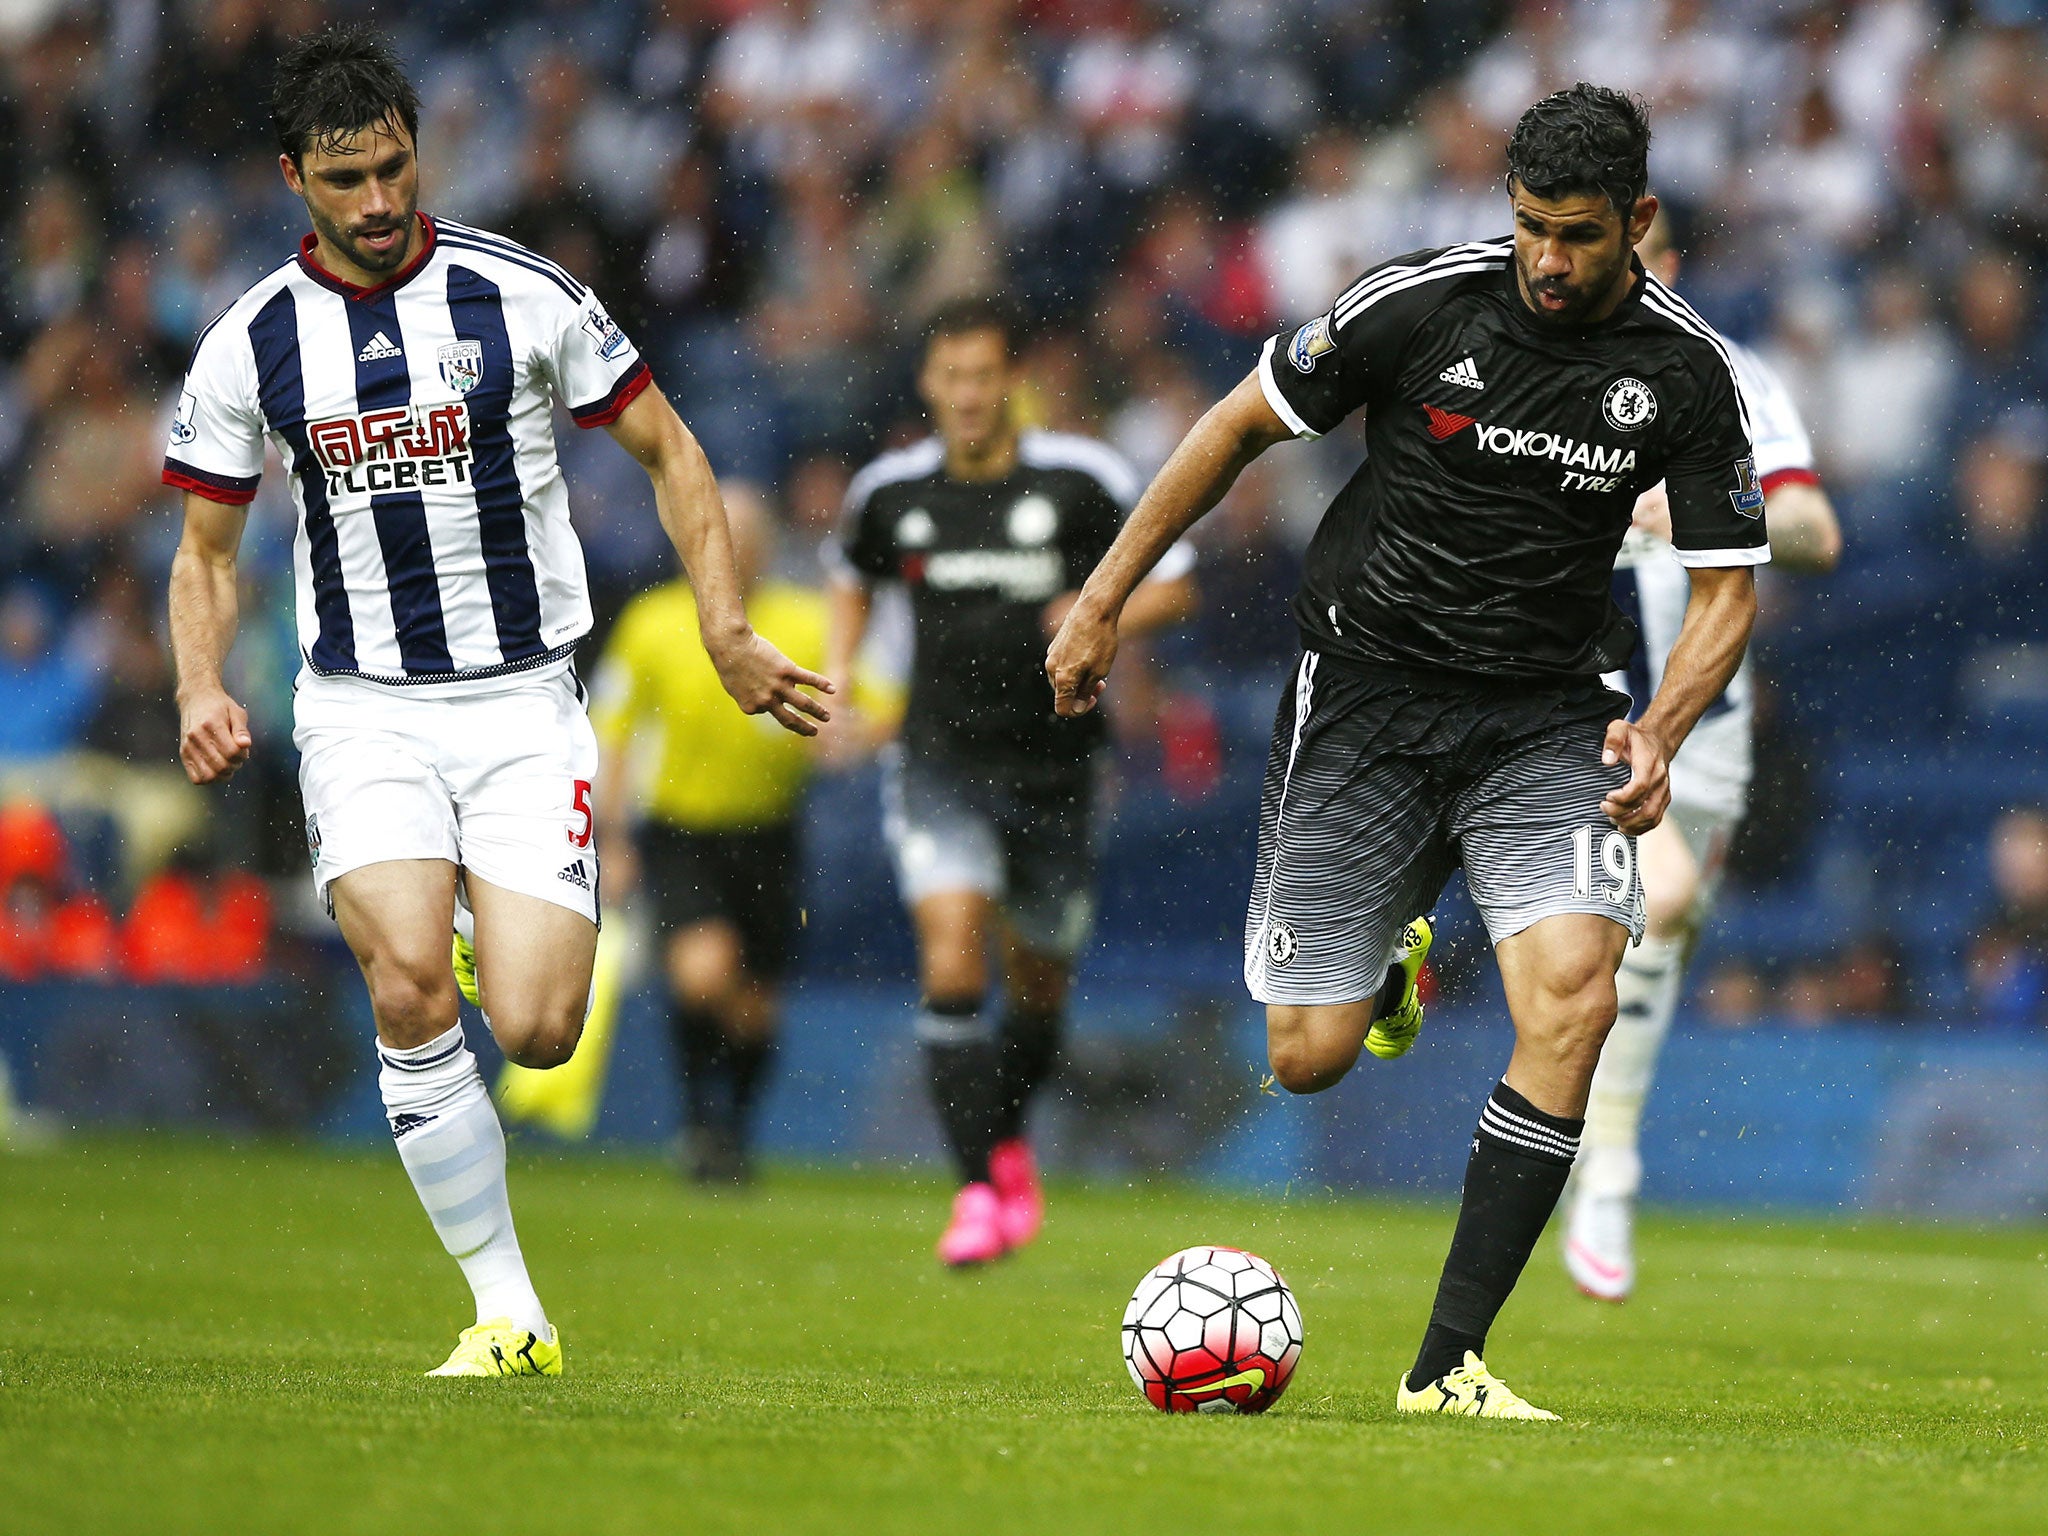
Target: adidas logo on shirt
1465, 373
377, 347
576, 875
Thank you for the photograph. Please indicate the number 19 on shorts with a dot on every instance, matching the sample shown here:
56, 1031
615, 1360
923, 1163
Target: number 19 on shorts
1617, 864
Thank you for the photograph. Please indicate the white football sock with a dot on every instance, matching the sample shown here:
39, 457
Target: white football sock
1647, 989
453, 1147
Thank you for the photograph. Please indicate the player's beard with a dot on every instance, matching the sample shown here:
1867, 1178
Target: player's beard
349, 238
1581, 298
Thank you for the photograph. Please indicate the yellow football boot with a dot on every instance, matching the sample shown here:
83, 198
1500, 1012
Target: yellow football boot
1392, 1033
497, 1348
464, 962
1471, 1390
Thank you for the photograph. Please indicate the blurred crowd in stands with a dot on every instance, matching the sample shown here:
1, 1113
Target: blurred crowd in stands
771, 194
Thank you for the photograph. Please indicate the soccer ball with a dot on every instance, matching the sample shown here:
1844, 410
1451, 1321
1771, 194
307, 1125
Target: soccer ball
1212, 1330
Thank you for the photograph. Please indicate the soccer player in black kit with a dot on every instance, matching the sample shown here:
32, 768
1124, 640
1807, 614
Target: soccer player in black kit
1455, 615
989, 793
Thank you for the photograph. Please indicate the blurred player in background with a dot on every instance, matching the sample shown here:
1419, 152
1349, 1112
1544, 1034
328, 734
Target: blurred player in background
1681, 858
715, 848
990, 797
405, 369
1456, 616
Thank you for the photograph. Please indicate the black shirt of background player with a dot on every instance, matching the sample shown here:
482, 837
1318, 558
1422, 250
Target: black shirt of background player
981, 559
1503, 460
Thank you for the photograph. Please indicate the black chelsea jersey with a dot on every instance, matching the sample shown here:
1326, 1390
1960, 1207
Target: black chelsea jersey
981, 559
1504, 458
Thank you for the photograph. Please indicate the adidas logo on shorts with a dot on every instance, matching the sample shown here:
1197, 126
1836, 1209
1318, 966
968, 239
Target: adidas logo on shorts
1465, 373
576, 875
377, 347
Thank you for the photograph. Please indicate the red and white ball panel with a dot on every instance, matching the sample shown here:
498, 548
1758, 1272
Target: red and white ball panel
1212, 1330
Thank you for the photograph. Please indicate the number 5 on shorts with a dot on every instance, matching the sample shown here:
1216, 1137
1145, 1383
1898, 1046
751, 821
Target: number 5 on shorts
1617, 859
581, 804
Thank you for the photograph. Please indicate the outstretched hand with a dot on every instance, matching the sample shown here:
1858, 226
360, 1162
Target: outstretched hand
1080, 658
1639, 804
763, 680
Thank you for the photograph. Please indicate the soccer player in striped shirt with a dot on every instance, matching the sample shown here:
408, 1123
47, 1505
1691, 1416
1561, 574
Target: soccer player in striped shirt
405, 369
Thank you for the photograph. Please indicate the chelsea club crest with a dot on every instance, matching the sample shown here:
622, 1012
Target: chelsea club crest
462, 365
1629, 406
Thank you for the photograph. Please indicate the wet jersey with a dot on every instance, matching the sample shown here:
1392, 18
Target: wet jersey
1712, 769
980, 560
1504, 457
415, 421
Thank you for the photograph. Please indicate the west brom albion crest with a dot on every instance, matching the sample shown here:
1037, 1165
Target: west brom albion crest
1629, 405
462, 365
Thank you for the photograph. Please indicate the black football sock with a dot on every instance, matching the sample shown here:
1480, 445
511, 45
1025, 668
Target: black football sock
1391, 991
964, 1060
752, 1058
702, 1062
1030, 1044
1520, 1159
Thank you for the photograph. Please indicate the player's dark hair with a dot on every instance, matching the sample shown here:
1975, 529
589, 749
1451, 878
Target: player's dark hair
976, 312
333, 84
1586, 139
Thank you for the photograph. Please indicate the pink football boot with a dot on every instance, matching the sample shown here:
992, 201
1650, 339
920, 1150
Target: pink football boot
976, 1233
1014, 1173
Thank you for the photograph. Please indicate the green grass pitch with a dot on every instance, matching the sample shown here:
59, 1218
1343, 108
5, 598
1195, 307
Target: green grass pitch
229, 1338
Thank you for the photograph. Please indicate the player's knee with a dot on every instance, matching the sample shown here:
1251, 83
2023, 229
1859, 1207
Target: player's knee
1299, 1071
412, 1005
543, 1041
705, 966
1301, 1061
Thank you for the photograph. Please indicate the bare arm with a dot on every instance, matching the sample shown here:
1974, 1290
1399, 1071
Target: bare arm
1155, 605
213, 730
1703, 660
1158, 605
1236, 430
1806, 537
755, 673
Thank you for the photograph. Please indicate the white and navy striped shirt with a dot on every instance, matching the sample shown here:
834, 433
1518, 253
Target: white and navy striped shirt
415, 421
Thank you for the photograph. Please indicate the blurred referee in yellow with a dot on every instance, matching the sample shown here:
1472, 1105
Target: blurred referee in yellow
716, 845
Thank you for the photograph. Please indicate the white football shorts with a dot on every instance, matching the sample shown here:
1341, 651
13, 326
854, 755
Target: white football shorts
496, 782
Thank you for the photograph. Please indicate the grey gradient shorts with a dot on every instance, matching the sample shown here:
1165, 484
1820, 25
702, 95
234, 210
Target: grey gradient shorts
1379, 785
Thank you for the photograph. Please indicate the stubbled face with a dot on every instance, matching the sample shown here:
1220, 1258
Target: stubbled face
1571, 253
966, 381
362, 195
